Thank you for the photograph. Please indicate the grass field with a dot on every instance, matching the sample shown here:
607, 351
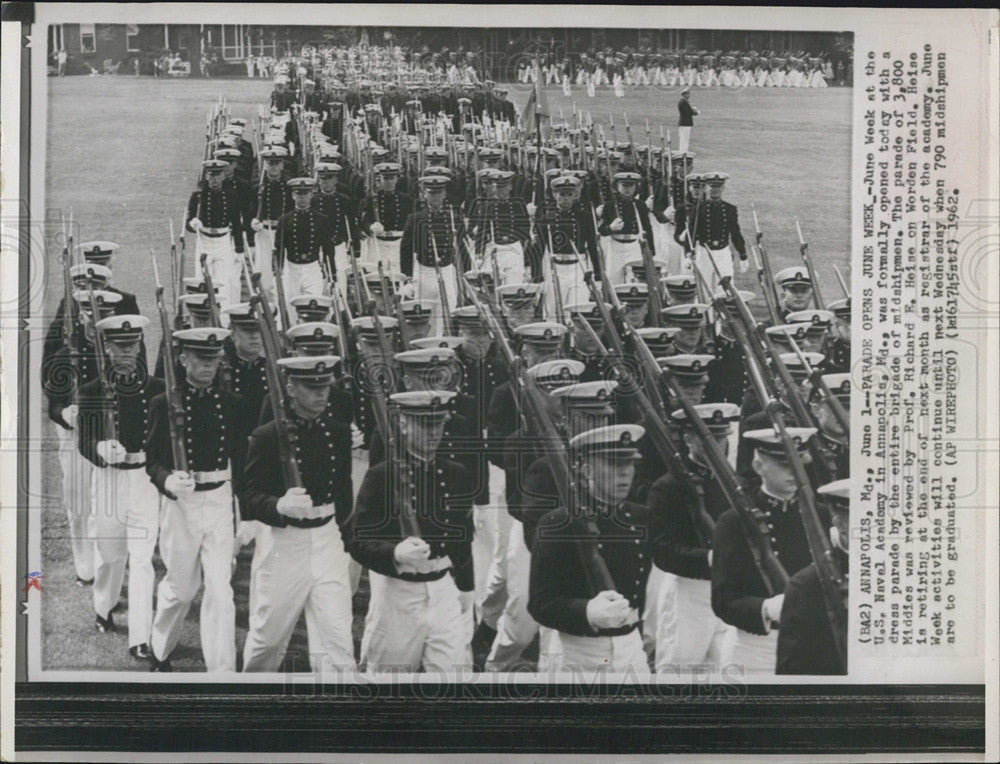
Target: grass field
123, 153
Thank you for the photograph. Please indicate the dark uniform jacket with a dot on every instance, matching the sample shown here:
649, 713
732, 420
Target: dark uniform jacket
341, 211
301, 234
248, 379
274, 199
59, 379
633, 213
246, 199
679, 547
738, 591
393, 210
131, 404
717, 225
805, 640
504, 221
686, 113
217, 208
323, 453
443, 499
560, 583
215, 434
428, 234
727, 374
561, 231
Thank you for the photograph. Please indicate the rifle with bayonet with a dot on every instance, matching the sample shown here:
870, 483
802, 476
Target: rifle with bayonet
175, 408
770, 286
804, 252
287, 434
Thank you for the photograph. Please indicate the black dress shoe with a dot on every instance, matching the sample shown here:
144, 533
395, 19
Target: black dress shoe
140, 652
81, 582
105, 625
158, 665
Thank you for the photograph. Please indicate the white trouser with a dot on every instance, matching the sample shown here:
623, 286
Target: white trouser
126, 524
263, 261
684, 138
651, 613
376, 250
723, 259
510, 261
668, 249
77, 472
295, 569
143, 517
757, 654
515, 628
619, 86
617, 254
572, 288
305, 278
425, 287
594, 655
196, 535
342, 264
489, 552
222, 266
412, 625
109, 498
567, 90
689, 633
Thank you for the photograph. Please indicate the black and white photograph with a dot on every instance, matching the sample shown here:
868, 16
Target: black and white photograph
386, 354
489, 350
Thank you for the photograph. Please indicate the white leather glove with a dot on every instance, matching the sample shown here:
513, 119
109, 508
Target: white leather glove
256, 225
687, 266
465, 599
295, 503
772, 608
668, 213
68, 415
195, 224
599, 210
357, 437
408, 291
617, 224
744, 266
608, 610
179, 483
532, 208
410, 552
710, 558
377, 229
111, 451
649, 203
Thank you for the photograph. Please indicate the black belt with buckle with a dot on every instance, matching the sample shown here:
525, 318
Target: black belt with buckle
199, 487
422, 577
625, 239
302, 522
389, 238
